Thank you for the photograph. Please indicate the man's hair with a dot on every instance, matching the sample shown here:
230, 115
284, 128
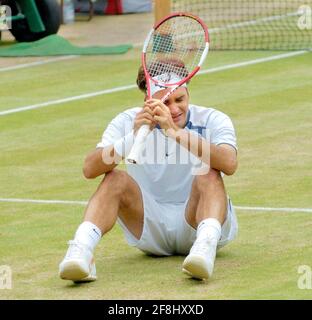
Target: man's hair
159, 67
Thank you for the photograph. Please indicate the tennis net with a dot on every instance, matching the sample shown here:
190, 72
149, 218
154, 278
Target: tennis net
253, 24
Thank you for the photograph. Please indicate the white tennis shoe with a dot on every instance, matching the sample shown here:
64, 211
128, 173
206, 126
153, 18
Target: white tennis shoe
200, 261
78, 264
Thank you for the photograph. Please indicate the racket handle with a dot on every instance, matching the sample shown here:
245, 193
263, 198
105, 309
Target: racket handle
138, 145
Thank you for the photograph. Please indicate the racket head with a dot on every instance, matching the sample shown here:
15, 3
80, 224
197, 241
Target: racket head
174, 50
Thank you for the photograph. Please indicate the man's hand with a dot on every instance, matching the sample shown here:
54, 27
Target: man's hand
144, 117
161, 114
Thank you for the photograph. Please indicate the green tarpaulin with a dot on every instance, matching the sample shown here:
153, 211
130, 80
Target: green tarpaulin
55, 45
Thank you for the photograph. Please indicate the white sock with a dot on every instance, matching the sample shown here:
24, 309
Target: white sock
209, 229
88, 234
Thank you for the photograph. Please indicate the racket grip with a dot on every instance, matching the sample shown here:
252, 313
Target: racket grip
138, 145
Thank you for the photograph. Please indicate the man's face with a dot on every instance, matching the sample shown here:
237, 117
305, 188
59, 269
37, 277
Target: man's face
177, 103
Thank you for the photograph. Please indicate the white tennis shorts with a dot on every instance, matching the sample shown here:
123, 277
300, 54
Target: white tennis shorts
166, 232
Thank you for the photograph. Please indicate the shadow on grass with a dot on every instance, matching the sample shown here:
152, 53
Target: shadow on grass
224, 254
192, 281
69, 285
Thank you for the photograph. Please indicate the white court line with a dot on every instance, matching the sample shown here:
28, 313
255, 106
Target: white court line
274, 209
252, 62
37, 63
44, 201
128, 87
59, 101
69, 202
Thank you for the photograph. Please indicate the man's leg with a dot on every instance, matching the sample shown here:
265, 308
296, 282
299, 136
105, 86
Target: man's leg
117, 195
207, 199
206, 211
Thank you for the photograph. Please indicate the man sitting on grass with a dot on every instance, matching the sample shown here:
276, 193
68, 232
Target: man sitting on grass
166, 206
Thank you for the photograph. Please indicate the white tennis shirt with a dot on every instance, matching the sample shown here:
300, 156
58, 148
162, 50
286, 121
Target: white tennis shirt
168, 169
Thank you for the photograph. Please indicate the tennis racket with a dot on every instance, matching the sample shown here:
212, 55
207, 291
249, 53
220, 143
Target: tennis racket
174, 49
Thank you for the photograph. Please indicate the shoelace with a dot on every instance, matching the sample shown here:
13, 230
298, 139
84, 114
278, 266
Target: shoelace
75, 249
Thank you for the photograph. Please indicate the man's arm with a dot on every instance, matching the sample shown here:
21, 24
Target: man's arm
221, 157
100, 161
105, 159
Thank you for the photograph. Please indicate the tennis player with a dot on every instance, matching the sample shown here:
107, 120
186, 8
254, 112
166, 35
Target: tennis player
165, 205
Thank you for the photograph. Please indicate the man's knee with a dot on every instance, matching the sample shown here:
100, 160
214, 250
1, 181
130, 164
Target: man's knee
114, 182
115, 176
209, 180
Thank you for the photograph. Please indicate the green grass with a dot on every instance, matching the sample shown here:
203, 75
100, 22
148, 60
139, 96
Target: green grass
42, 153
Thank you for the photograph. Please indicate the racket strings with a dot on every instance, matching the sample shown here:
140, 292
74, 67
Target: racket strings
176, 47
